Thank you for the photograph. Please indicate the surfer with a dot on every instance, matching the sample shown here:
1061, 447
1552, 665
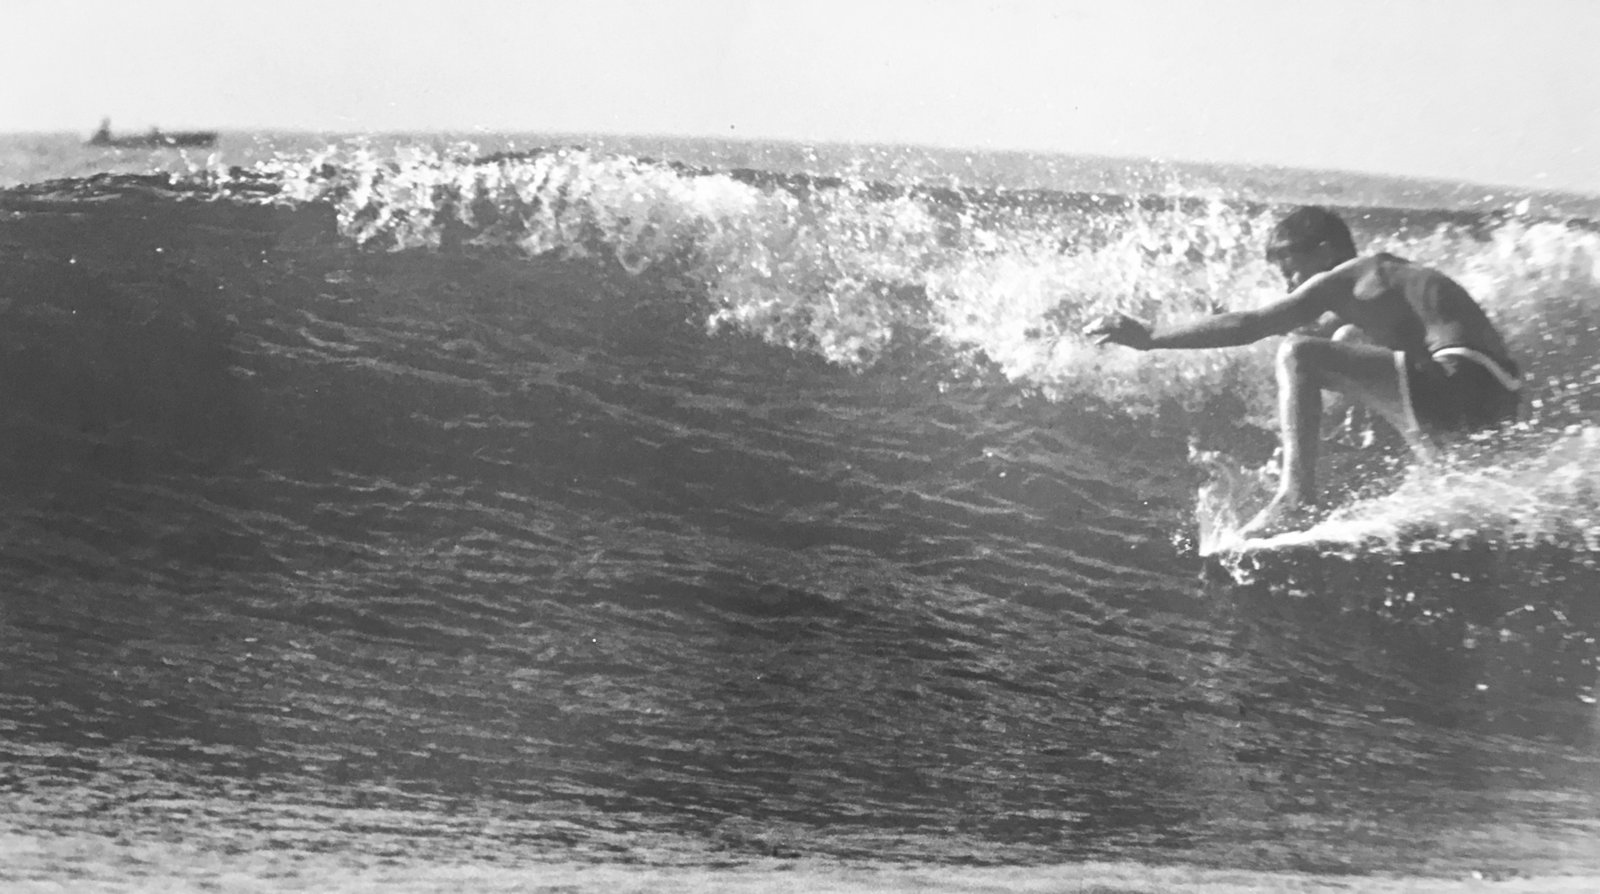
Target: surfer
1402, 339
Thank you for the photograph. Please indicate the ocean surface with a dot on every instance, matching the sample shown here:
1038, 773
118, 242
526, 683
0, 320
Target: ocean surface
564, 513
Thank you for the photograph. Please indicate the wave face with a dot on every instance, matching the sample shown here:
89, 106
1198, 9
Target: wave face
573, 504
853, 271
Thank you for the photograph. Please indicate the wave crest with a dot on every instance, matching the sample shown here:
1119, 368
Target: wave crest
846, 268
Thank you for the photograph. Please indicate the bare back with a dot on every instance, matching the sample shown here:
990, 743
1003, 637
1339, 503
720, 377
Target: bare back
1413, 309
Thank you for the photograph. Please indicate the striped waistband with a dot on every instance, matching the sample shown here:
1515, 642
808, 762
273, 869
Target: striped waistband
1501, 375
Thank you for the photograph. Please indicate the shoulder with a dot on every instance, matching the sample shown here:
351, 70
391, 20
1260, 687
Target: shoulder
1381, 264
1340, 281
1380, 274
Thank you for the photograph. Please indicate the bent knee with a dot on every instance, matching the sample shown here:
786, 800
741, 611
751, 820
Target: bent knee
1307, 358
1295, 350
1351, 333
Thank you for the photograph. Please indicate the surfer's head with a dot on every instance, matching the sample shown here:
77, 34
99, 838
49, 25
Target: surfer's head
1308, 241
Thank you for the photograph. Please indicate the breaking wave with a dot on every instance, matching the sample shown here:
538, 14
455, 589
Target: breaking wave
860, 272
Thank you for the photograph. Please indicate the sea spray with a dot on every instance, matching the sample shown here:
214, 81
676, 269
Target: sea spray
1529, 484
506, 553
846, 269
1519, 489
842, 269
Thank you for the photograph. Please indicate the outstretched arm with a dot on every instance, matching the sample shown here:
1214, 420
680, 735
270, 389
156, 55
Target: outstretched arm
1301, 307
1219, 331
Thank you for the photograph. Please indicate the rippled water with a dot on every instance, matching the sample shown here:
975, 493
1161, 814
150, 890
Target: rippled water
664, 522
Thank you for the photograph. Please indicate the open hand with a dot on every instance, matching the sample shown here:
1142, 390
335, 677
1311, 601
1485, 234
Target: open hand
1119, 329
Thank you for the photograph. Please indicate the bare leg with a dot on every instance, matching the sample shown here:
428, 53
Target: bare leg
1305, 367
1348, 418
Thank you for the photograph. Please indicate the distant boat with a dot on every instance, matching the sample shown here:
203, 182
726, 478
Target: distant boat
155, 138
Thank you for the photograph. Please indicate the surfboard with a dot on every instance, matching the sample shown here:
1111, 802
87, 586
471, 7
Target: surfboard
1279, 541
1284, 558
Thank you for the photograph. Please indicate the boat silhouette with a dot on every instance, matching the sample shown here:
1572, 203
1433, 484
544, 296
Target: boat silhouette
153, 138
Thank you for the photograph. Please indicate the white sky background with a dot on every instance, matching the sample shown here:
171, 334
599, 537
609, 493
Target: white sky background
1498, 91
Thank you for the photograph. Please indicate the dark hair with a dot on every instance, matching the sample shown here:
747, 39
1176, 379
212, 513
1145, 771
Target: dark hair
1309, 226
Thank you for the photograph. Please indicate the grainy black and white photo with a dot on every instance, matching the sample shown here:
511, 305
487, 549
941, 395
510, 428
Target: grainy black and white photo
842, 446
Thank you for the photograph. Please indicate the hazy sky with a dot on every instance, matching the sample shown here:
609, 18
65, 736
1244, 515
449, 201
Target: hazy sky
1501, 91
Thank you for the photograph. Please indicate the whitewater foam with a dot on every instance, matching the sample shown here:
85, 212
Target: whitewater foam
843, 267
1517, 489
840, 270
846, 269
